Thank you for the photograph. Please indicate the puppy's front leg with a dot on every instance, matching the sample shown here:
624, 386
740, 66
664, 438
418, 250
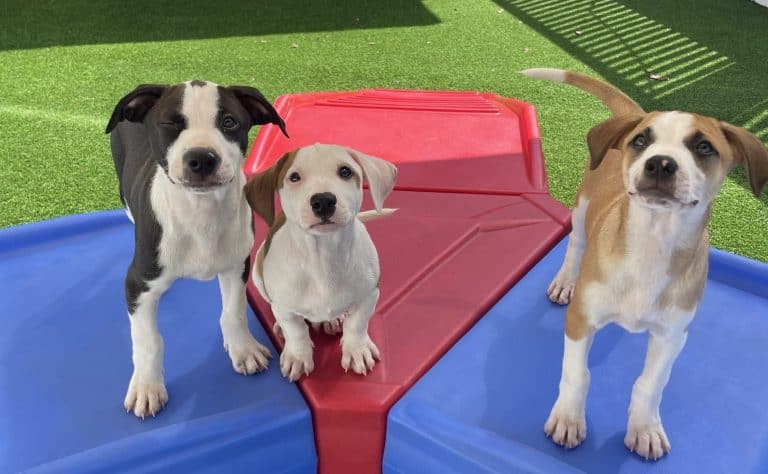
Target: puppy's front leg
645, 432
146, 391
296, 358
567, 423
357, 349
247, 355
561, 288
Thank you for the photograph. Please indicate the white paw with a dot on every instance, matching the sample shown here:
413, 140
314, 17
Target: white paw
296, 361
560, 291
359, 355
331, 327
566, 427
146, 396
248, 356
647, 440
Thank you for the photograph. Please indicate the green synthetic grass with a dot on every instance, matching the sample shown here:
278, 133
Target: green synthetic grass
63, 66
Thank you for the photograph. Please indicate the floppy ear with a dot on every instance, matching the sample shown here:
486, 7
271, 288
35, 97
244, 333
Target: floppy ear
260, 190
750, 152
258, 107
379, 173
607, 135
134, 106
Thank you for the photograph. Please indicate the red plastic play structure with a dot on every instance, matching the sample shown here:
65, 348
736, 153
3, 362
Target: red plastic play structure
474, 215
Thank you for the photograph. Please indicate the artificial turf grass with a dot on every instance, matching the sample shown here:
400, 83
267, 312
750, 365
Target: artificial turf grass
55, 100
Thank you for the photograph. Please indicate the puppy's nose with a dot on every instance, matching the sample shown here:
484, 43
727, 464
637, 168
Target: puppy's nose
323, 204
660, 167
201, 161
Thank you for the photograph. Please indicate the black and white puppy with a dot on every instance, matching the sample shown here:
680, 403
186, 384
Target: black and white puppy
178, 153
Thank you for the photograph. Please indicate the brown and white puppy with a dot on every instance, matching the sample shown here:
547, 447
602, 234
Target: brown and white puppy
637, 253
178, 153
318, 262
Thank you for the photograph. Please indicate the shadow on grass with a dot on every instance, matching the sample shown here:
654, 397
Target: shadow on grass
36, 24
710, 52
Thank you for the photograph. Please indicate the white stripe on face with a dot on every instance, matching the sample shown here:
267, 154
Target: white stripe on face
200, 109
670, 130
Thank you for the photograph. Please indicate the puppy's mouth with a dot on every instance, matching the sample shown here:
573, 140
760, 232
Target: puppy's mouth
658, 197
325, 224
204, 186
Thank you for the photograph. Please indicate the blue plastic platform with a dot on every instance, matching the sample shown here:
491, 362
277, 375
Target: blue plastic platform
65, 362
482, 407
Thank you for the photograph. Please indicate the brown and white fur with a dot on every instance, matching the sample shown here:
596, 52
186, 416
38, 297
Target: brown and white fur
637, 253
318, 262
178, 152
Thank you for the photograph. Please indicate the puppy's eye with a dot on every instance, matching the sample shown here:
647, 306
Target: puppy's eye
294, 177
640, 141
705, 148
229, 123
345, 172
176, 122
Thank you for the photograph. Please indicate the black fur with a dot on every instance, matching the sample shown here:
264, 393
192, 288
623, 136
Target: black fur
247, 269
143, 125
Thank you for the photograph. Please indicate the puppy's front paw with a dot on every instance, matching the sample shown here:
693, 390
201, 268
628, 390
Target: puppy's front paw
296, 361
359, 354
647, 440
331, 327
145, 396
247, 355
565, 427
560, 291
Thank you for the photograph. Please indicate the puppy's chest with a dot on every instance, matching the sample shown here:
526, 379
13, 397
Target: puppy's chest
630, 293
321, 291
202, 252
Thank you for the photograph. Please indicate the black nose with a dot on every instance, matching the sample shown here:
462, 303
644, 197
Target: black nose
323, 204
660, 167
201, 161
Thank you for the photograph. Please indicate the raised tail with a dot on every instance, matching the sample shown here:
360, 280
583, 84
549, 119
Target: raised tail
618, 102
366, 216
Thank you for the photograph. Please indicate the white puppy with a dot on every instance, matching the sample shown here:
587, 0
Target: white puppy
318, 262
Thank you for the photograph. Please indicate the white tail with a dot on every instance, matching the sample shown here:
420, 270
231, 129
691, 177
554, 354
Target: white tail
366, 216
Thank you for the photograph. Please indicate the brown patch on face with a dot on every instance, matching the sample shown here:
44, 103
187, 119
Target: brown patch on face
260, 190
357, 178
609, 134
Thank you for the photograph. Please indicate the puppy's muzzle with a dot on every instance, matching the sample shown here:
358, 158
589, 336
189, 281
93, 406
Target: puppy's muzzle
658, 179
323, 205
199, 165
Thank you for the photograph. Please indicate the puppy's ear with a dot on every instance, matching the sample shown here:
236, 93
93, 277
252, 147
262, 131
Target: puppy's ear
134, 106
380, 175
260, 190
749, 152
607, 135
258, 107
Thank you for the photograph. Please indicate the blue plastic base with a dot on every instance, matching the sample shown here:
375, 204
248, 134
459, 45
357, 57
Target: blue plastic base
65, 362
482, 407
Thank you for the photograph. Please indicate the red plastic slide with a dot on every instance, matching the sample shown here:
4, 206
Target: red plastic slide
474, 216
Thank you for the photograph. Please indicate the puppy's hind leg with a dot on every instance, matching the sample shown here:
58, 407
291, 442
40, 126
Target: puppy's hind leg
645, 432
358, 351
561, 288
146, 391
247, 355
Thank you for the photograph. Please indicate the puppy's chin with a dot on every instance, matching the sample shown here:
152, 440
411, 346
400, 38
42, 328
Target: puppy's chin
321, 228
